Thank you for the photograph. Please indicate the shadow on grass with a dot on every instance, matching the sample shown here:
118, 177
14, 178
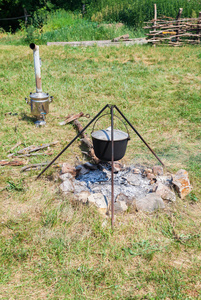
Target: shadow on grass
26, 118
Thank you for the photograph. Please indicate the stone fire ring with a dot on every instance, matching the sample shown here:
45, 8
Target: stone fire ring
135, 188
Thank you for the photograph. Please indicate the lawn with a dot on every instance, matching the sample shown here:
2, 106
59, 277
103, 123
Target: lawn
54, 249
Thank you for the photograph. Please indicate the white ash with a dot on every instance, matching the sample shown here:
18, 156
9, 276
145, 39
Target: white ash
99, 181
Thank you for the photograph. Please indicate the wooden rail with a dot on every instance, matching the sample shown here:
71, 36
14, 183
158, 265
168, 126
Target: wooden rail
174, 32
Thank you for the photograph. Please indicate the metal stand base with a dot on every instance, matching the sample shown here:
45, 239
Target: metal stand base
111, 107
40, 123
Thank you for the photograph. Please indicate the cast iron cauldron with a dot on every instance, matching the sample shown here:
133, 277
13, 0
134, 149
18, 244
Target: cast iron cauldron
103, 145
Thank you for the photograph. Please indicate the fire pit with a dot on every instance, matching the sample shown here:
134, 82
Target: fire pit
111, 155
135, 186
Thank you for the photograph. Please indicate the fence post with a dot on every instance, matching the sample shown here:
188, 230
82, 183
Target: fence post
199, 27
155, 19
178, 23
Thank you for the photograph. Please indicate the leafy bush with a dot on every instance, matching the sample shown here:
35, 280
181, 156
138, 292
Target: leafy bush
67, 26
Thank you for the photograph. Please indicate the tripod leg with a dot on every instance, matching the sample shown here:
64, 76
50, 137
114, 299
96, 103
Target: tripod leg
139, 135
112, 175
73, 140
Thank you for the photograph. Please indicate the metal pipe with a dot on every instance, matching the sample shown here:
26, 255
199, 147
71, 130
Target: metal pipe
37, 64
72, 141
112, 175
138, 135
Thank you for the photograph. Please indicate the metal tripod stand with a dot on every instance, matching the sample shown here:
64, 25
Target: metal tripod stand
111, 107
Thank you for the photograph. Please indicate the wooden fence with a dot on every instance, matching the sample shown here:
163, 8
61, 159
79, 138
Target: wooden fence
174, 32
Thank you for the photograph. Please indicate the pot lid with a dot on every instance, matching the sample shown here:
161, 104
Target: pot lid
105, 135
39, 96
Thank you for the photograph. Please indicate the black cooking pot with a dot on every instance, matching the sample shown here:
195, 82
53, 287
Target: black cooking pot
103, 145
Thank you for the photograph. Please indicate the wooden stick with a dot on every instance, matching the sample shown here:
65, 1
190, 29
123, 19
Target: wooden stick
26, 168
71, 118
33, 154
16, 145
87, 141
11, 163
124, 37
33, 148
174, 36
173, 21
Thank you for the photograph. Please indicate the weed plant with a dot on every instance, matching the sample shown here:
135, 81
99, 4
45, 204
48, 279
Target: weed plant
53, 248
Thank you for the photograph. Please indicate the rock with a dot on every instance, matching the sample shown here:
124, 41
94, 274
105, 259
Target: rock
153, 181
67, 168
151, 176
99, 201
67, 186
181, 183
83, 196
157, 170
65, 176
90, 166
120, 207
108, 173
80, 186
153, 188
146, 172
150, 203
117, 166
165, 179
133, 179
129, 201
121, 197
165, 192
136, 171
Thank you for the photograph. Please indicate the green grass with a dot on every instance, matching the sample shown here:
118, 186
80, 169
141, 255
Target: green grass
51, 248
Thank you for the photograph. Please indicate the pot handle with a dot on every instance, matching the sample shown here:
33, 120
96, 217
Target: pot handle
113, 116
27, 101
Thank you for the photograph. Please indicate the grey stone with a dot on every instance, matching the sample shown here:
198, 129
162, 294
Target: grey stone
67, 186
65, 176
120, 207
128, 200
150, 203
133, 179
153, 188
165, 179
80, 186
83, 196
99, 200
165, 192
